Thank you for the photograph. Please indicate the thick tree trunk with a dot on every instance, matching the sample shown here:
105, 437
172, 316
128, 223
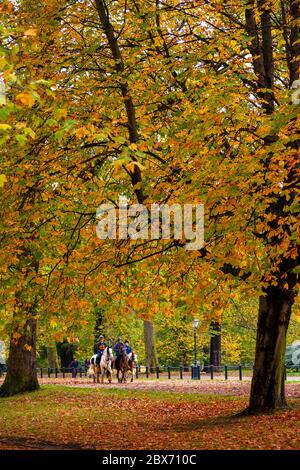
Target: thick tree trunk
150, 348
215, 344
21, 365
268, 383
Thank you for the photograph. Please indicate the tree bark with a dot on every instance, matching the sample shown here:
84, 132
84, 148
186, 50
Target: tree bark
21, 365
150, 348
215, 344
133, 134
268, 383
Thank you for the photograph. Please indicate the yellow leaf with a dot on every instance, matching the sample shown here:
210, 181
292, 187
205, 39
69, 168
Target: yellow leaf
30, 32
4, 127
53, 322
25, 99
81, 132
3, 180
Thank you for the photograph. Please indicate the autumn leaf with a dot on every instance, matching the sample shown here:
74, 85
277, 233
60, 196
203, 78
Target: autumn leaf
25, 99
31, 32
3, 180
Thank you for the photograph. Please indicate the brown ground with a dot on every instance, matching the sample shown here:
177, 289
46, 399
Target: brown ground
164, 414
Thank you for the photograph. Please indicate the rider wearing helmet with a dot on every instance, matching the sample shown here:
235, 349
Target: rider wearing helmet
128, 348
100, 346
118, 350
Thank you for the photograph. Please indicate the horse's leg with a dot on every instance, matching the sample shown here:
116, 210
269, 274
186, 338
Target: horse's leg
102, 374
98, 374
131, 370
110, 374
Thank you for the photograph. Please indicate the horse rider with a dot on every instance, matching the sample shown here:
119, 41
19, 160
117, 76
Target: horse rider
128, 348
118, 347
100, 346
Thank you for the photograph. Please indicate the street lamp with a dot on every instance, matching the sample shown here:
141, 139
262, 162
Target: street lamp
195, 371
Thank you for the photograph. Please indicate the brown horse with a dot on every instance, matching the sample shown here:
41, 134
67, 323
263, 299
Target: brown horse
121, 364
124, 364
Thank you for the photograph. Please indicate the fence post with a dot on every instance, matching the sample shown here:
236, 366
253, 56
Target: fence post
49, 372
240, 373
226, 372
169, 372
181, 372
80, 372
147, 372
198, 372
63, 372
56, 372
41, 372
157, 372
212, 372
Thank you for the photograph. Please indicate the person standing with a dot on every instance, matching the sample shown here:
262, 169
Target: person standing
74, 367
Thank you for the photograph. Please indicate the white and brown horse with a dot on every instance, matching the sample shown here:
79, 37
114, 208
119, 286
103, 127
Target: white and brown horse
105, 366
132, 362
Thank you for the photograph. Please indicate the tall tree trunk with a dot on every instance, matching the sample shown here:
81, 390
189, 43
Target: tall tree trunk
52, 355
150, 347
21, 365
268, 383
215, 344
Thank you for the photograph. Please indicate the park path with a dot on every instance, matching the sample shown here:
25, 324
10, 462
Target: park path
218, 387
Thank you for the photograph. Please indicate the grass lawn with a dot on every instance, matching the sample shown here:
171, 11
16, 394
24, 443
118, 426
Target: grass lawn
108, 418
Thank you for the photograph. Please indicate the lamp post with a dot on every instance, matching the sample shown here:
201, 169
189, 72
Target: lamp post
195, 371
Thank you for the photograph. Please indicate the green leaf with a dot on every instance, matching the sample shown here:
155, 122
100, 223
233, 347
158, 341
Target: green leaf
21, 139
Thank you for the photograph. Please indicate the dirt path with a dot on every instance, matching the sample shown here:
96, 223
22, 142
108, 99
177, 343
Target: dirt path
218, 387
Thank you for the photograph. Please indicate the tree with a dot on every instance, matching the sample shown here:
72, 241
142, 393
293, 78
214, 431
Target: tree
38, 234
164, 102
215, 344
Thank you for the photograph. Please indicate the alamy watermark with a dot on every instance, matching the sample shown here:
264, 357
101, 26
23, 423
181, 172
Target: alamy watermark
167, 222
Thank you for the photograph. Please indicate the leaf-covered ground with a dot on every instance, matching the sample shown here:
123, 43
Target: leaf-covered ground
114, 418
203, 386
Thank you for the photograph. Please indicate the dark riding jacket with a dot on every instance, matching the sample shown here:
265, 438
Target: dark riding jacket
118, 349
100, 347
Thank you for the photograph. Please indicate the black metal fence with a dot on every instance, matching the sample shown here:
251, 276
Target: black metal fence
193, 372
226, 372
